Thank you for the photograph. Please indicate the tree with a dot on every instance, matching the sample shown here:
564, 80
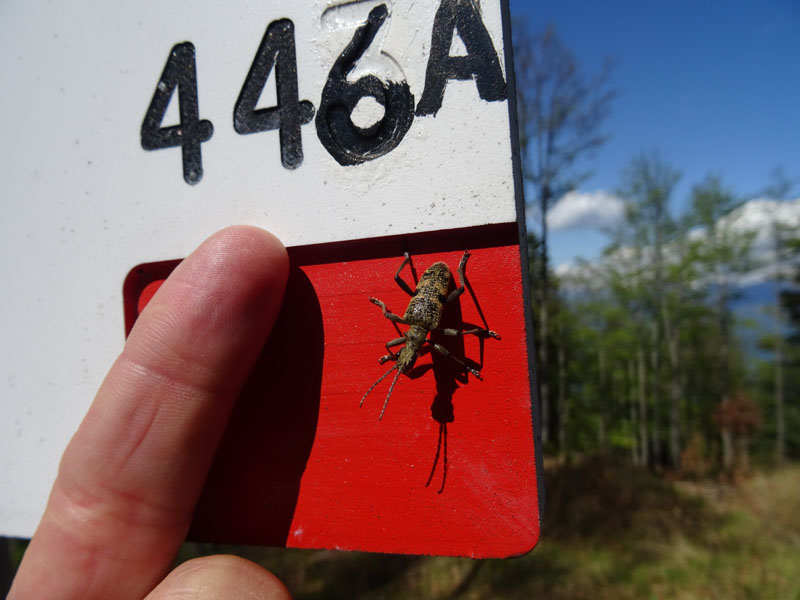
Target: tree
646, 189
647, 358
781, 236
736, 417
789, 299
561, 111
724, 253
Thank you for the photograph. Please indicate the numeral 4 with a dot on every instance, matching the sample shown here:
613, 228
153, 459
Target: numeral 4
180, 72
277, 50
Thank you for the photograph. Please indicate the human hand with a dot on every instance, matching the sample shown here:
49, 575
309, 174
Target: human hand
131, 475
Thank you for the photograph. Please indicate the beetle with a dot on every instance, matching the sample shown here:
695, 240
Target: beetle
423, 315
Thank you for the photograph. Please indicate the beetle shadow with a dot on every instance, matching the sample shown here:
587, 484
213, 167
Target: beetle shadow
485, 324
252, 489
448, 374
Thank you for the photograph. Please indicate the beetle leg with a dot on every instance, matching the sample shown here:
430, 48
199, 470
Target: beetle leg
395, 342
460, 289
403, 285
477, 331
386, 313
391, 355
445, 352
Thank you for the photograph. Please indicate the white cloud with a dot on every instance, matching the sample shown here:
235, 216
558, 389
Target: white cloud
756, 216
585, 210
568, 270
760, 216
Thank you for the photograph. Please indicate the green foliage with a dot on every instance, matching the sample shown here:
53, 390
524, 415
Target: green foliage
650, 338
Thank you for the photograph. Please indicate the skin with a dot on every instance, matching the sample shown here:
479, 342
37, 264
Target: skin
130, 477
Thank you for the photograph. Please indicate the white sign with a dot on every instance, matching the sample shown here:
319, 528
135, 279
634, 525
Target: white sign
133, 130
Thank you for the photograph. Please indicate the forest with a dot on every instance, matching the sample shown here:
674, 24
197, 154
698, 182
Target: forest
649, 352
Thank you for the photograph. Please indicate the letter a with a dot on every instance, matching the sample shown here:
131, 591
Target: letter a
480, 63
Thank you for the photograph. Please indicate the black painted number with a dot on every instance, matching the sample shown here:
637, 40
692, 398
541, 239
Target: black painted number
345, 141
180, 72
348, 143
277, 50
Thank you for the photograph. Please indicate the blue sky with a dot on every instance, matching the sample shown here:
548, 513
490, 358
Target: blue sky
713, 86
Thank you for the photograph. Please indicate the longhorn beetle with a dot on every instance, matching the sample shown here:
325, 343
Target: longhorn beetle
423, 315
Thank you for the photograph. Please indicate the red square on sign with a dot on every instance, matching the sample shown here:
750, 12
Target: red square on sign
451, 467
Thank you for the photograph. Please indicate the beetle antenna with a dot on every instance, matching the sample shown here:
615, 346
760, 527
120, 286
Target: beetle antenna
381, 378
391, 387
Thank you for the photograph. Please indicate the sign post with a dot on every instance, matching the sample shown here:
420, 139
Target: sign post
356, 131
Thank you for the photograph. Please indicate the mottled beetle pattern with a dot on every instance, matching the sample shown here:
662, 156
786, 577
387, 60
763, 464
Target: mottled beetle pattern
423, 315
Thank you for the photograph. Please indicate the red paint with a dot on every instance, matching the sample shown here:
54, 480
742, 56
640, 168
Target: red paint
302, 465
141, 285
147, 294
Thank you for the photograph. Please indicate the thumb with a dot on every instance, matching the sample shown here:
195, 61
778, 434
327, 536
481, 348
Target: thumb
214, 577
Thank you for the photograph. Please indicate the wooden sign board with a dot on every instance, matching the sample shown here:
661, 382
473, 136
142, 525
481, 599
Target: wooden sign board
356, 131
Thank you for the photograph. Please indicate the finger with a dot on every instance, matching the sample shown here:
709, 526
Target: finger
214, 577
130, 477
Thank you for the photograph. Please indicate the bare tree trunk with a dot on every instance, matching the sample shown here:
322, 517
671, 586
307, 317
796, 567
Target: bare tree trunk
674, 421
601, 433
544, 296
724, 333
671, 335
658, 224
780, 418
561, 112
601, 370
727, 451
743, 454
563, 408
601, 389
632, 406
642, 387
655, 386
544, 391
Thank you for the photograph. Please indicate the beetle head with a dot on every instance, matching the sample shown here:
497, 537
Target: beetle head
415, 338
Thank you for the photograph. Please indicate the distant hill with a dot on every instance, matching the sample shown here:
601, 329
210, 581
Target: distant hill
762, 293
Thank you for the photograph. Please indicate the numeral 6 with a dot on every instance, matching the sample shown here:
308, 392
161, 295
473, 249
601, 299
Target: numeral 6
345, 141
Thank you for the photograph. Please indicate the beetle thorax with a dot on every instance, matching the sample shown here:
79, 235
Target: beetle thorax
415, 338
